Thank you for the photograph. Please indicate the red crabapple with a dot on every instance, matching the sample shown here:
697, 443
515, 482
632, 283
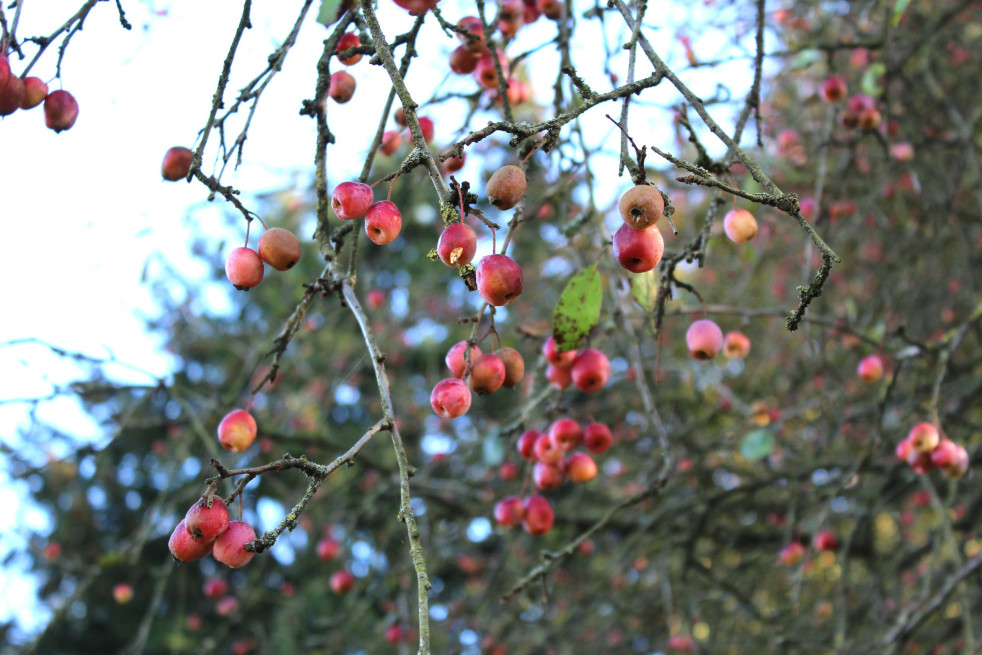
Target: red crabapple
351, 200
455, 358
60, 110
566, 433
514, 366
375, 298
473, 36
244, 268
834, 89
487, 374
328, 549
547, 476
548, 450
450, 398
559, 376
426, 127
205, 523
499, 279
184, 548
704, 339
214, 588
12, 95
923, 437
383, 222
740, 225
176, 164
597, 438
35, 91
279, 248
736, 345
581, 468
526, 444
463, 61
561, 359
590, 370
391, 141
342, 87
508, 471
960, 466
870, 368
642, 206
506, 187
348, 40
230, 546
226, 606
539, 516
457, 245
341, 582
237, 430
454, 164
825, 541
638, 250
509, 511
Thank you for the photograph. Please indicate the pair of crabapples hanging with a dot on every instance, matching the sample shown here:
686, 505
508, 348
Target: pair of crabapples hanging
638, 243
353, 200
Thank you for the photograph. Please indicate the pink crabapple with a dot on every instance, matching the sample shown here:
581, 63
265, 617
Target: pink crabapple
590, 370
450, 398
341, 582
244, 268
547, 449
870, 368
237, 430
342, 87
638, 251
60, 110
499, 280
383, 222
597, 438
506, 187
455, 358
35, 91
539, 516
205, 523
509, 511
792, 554
351, 200
348, 40
547, 476
457, 245
122, 593
704, 339
526, 444
566, 433
924, 437
184, 548
834, 89
487, 374
553, 356
559, 376
230, 546
825, 541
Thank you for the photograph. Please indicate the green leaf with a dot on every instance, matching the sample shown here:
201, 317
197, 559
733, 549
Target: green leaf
330, 12
644, 289
899, 7
578, 310
757, 444
805, 58
872, 82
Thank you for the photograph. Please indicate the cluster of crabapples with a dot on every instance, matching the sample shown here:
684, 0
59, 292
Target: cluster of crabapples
60, 107
555, 462
860, 109
244, 268
925, 448
206, 529
792, 554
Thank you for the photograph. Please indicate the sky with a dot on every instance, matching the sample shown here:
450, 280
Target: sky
87, 216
